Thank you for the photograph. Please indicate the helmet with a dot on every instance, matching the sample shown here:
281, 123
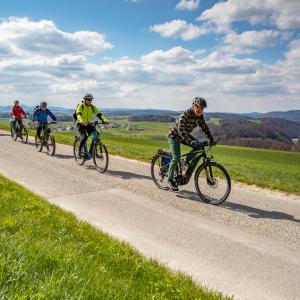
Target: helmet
88, 97
199, 101
43, 103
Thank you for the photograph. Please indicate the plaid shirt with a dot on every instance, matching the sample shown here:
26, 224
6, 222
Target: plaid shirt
185, 124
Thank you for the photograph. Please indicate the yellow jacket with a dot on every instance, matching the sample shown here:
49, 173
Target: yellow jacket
85, 113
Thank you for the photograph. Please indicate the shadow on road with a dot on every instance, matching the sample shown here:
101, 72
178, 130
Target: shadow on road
4, 134
126, 175
252, 212
64, 156
122, 174
258, 213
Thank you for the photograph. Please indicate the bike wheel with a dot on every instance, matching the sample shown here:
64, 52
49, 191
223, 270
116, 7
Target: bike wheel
37, 141
80, 159
212, 183
24, 135
51, 146
41, 142
159, 173
13, 134
100, 157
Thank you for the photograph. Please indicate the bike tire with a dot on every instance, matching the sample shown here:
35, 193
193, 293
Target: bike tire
212, 183
13, 134
51, 147
41, 145
79, 161
100, 155
24, 136
158, 176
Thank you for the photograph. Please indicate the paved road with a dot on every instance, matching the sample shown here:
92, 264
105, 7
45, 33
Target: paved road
249, 247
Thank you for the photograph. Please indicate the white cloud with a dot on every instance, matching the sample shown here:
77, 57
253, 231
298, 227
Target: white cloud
285, 14
162, 78
188, 4
43, 37
179, 29
250, 41
174, 56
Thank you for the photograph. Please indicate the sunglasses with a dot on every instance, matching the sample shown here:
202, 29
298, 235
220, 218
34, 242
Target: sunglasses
89, 100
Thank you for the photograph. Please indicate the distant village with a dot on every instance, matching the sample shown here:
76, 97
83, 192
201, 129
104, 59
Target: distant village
61, 127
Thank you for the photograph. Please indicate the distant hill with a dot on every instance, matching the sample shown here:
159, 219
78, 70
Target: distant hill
152, 118
292, 115
259, 133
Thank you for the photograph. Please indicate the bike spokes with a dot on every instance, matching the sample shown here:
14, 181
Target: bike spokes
13, 134
25, 135
50, 145
159, 172
100, 157
79, 157
212, 183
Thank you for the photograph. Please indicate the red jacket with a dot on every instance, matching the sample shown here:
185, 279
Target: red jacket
18, 111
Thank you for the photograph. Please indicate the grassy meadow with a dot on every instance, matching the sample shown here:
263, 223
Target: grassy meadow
46, 253
272, 169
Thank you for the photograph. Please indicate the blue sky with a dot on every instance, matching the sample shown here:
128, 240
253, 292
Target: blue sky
241, 55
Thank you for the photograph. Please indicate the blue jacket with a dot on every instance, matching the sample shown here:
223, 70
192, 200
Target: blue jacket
41, 115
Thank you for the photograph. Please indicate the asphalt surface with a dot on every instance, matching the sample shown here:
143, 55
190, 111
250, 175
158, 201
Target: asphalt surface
248, 247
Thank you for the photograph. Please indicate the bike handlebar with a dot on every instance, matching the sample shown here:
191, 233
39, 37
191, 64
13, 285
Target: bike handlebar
95, 123
45, 123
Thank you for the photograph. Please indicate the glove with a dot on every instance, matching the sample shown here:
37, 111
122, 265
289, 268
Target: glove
212, 142
195, 144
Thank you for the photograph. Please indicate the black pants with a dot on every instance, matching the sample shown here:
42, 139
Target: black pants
85, 131
39, 130
14, 122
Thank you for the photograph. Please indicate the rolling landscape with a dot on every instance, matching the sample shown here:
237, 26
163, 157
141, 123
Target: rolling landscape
121, 209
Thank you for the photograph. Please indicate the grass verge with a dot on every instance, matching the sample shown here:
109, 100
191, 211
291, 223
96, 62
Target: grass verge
46, 253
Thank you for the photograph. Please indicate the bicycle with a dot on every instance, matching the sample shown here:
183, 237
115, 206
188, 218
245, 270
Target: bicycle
46, 139
97, 149
212, 180
22, 132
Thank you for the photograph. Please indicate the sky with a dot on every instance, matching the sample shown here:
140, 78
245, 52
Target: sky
241, 55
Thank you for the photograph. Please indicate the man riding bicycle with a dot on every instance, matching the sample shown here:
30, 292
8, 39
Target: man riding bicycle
85, 112
180, 133
40, 116
17, 113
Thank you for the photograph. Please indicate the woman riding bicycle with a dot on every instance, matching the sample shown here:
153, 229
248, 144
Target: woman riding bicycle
40, 116
17, 113
180, 133
84, 113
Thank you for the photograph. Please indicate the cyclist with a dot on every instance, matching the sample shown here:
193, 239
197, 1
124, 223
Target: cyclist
17, 113
84, 113
180, 132
40, 116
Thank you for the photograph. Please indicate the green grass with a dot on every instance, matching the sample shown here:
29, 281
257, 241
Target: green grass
279, 170
46, 253
215, 121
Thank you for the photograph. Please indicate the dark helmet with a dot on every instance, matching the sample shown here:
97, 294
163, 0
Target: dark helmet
88, 97
200, 102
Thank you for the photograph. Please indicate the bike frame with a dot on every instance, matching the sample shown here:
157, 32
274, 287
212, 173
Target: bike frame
18, 126
94, 140
198, 154
46, 130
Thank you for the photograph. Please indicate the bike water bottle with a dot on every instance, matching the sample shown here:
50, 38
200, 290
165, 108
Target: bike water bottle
95, 135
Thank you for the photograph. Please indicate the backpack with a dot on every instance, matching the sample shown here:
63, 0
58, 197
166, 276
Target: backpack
75, 112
